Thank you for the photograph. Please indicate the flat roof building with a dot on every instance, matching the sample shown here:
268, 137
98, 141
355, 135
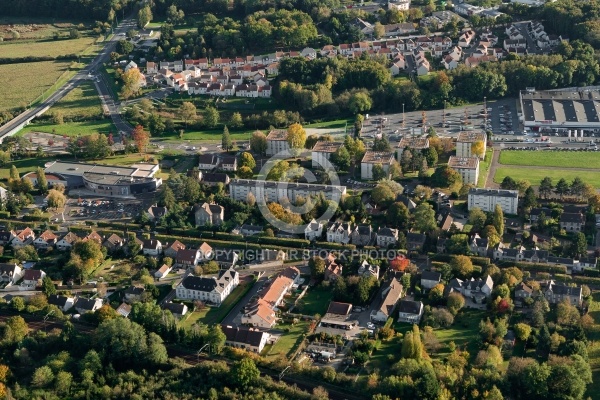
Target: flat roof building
323, 151
467, 167
277, 141
372, 158
274, 191
414, 142
465, 142
487, 199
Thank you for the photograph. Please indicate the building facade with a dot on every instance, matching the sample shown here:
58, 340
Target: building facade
487, 199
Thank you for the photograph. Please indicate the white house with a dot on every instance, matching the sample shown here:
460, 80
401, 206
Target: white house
23, 238
487, 199
152, 247
46, 240
162, 271
213, 290
87, 305
371, 158
339, 232
410, 311
430, 278
386, 236
389, 300
10, 273
32, 278
243, 337
67, 241
63, 302
313, 230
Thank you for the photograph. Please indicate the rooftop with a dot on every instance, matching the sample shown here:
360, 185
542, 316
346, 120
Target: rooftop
78, 169
414, 142
469, 137
277, 134
378, 157
494, 192
326, 147
567, 106
463, 162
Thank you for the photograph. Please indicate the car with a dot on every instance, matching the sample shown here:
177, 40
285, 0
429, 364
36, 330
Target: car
357, 309
371, 325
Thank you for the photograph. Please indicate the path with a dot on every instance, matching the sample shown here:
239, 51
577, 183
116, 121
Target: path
489, 182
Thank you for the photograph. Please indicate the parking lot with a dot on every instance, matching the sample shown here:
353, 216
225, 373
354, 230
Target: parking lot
103, 209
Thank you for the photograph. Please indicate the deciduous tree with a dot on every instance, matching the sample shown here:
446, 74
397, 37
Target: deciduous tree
258, 143
187, 112
141, 138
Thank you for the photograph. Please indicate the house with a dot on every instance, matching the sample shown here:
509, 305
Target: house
177, 309
67, 241
467, 167
277, 142
479, 245
113, 243
313, 230
371, 158
207, 162
63, 302
226, 258
46, 240
441, 245
321, 153
213, 290
261, 311
487, 199
162, 271
415, 241
94, 236
87, 305
151, 247
410, 311
361, 235
23, 238
465, 39
124, 310
556, 293
386, 236
209, 214
523, 291
367, 269
155, 212
6, 237
228, 163
206, 252
214, 178
333, 270
466, 141
430, 278
476, 289
411, 205
10, 273
188, 258
398, 65
133, 293
242, 337
339, 232
389, 299
250, 230
171, 251
446, 222
33, 278
537, 211
449, 62
572, 222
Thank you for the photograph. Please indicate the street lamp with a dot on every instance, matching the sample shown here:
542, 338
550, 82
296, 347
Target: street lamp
485, 110
283, 372
403, 116
200, 351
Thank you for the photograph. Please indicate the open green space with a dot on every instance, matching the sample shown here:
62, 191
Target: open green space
82, 102
289, 340
35, 27
564, 159
484, 168
211, 134
73, 128
464, 332
535, 175
316, 300
336, 124
24, 165
214, 315
23, 83
54, 48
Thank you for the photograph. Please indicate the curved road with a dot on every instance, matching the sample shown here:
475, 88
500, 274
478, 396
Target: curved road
82, 75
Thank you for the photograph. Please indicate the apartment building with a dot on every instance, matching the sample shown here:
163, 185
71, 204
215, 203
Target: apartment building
487, 199
467, 167
372, 158
273, 191
465, 142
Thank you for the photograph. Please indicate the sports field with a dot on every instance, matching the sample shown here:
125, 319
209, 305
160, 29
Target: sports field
565, 159
535, 175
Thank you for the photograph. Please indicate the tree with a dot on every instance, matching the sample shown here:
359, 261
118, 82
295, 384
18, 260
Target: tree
236, 120
141, 138
546, 187
210, 117
246, 160
577, 186
477, 218
378, 172
42, 182
579, 245
431, 156
341, 158
445, 176
187, 112
458, 244
226, 142
144, 17
406, 160
477, 148
397, 216
562, 188
42, 377
522, 331
296, 136
412, 346
530, 199
258, 143
423, 192
498, 220
132, 83
455, 302
62, 383
360, 102
245, 373
18, 304
462, 266
436, 294
15, 329
382, 195
56, 199
317, 267
378, 30
48, 287
424, 218
216, 338
175, 16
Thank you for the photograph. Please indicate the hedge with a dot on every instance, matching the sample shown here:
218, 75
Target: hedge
4, 214
591, 272
532, 267
335, 246
585, 280
446, 258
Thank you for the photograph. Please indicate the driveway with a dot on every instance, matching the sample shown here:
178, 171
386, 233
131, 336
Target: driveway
234, 317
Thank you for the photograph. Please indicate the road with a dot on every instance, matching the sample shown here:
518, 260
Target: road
79, 77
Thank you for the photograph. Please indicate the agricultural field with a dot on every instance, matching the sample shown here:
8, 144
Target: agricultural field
54, 48
535, 175
21, 86
80, 103
563, 159
34, 27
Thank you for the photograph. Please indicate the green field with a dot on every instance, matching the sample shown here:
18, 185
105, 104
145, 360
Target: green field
73, 128
35, 27
535, 175
24, 165
484, 168
288, 340
54, 48
464, 332
213, 134
336, 124
316, 300
24, 83
565, 159
82, 102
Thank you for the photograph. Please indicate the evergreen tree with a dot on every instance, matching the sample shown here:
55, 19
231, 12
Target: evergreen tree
42, 183
498, 220
226, 142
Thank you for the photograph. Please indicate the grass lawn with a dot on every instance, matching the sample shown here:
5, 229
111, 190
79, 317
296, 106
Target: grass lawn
51, 48
212, 134
380, 359
594, 347
484, 168
35, 27
73, 128
464, 332
288, 340
534, 175
316, 300
24, 83
564, 159
24, 165
83, 101
336, 124
214, 315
